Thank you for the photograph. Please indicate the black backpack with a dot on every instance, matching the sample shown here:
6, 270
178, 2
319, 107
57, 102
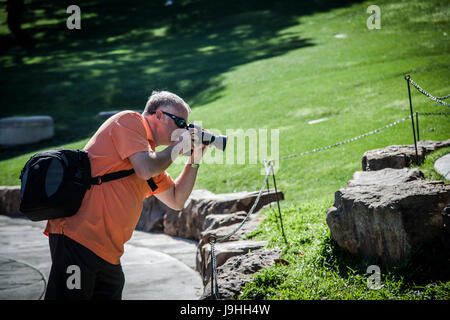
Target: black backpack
53, 183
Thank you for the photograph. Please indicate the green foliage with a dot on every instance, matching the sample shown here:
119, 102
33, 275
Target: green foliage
319, 269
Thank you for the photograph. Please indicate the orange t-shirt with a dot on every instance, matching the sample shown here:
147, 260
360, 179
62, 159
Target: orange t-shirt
110, 211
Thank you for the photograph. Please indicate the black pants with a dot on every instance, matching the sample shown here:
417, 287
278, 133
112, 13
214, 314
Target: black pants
79, 274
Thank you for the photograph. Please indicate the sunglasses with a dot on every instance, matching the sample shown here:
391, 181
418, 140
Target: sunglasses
180, 122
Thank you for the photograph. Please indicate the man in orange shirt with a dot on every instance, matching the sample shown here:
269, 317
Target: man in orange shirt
91, 242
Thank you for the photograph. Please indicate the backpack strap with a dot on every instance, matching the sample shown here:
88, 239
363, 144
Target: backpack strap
111, 176
118, 175
152, 184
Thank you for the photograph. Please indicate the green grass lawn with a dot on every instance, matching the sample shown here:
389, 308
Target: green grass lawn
247, 65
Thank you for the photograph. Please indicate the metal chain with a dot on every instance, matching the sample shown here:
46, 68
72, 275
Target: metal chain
438, 99
343, 142
214, 283
212, 239
434, 114
251, 210
444, 97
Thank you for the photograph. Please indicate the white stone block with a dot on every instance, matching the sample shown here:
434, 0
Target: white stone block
16, 131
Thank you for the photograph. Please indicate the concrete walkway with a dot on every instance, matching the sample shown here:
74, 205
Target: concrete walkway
442, 165
156, 266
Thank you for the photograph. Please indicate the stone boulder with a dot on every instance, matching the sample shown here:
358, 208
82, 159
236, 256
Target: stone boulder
152, 215
387, 213
432, 145
189, 222
238, 270
385, 177
214, 221
202, 257
396, 157
10, 201
442, 166
250, 226
224, 251
399, 156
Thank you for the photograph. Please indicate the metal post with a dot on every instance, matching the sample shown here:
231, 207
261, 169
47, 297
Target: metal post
279, 210
412, 118
212, 271
268, 192
417, 126
214, 295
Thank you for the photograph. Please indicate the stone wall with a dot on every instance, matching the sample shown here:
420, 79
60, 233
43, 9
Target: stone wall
10, 201
189, 223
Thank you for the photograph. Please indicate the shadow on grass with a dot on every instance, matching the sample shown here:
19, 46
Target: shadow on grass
427, 263
126, 49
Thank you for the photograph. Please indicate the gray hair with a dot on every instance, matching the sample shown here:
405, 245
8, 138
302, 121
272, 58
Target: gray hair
165, 98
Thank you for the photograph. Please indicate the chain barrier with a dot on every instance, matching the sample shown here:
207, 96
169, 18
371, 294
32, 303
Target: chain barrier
214, 283
213, 240
342, 142
434, 114
268, 164
436, 99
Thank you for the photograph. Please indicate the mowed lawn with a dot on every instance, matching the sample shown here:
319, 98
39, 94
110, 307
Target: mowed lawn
248, 65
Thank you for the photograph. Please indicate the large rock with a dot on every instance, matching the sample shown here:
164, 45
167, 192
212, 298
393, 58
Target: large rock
224, 251
214, 221
442, 166
189, 222
10, 201
432, 145
152, 215
385, 177
399, 156
237, 271
203, 252
396, 157
378, 215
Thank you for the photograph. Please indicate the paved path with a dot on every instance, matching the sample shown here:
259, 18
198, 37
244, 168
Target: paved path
156, 266
442, 165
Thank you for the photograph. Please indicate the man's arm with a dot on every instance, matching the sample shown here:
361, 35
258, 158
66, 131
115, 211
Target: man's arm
149, 164
176, 196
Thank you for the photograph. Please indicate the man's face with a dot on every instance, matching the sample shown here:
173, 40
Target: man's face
169, 129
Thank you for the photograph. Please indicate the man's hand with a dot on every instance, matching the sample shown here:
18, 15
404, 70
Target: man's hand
197, 148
